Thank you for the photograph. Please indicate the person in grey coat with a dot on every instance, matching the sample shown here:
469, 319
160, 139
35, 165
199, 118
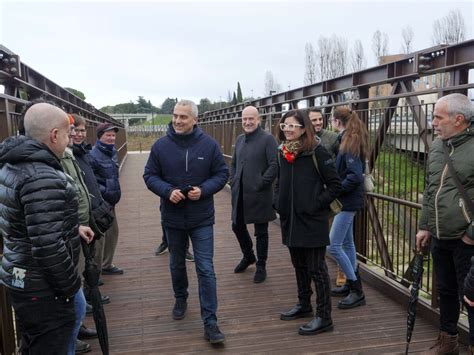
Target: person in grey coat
254, 167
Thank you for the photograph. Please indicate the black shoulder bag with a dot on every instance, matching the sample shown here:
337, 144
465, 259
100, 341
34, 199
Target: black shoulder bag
466, 200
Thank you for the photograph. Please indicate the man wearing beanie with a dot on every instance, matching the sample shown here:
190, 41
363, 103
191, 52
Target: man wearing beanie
104, 163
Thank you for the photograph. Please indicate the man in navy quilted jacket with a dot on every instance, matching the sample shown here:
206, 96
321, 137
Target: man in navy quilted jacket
104, 163
186, 168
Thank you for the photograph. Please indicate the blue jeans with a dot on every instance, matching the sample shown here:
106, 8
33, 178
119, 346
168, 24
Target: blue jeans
342, 246
202, 239
80, 310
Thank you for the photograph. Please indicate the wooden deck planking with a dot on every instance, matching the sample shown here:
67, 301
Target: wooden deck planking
139, 315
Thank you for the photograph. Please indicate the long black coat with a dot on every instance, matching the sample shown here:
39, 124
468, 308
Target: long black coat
254, 167
302, 201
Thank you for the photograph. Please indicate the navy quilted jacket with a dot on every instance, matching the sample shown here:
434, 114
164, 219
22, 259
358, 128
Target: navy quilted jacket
104, 163
177, 161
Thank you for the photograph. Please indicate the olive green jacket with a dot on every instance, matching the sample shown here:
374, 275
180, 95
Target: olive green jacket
444, 213
71, 168
329, 141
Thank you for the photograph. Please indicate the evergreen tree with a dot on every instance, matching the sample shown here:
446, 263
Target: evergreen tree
168, 106
78, 93
239, 93
234, 99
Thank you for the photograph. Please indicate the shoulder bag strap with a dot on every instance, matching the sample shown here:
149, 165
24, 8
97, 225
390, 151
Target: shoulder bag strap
315, 162
459, 186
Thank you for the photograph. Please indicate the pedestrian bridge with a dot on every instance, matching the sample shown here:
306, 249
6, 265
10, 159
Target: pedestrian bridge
139, 315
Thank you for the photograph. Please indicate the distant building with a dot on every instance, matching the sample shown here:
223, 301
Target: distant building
439, 80
126, 117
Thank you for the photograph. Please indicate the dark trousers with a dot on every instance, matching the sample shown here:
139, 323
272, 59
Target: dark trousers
45, 324
244, 239
310, 264
452, 261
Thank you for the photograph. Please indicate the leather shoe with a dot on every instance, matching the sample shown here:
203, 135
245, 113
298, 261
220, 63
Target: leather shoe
161, 248
316, 326
179, 309
213, 334
113, 270
260, 274
244, 264
82, 347
104, 299
86, 333
298, 311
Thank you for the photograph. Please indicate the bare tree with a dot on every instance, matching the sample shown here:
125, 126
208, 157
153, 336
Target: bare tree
271, 84
358, 61
323, 57
338, 62
450, 29
379, 45
331, 57
407, 35
310, 64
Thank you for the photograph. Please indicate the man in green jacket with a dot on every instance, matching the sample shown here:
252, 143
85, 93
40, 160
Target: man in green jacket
328, 138
445, 218
68, 162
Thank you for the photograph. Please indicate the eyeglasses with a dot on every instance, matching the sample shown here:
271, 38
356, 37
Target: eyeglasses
80, 131
290, 126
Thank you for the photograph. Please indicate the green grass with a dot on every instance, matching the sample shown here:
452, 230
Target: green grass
159, 119
399, 176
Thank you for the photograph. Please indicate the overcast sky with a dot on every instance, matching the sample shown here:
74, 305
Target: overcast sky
114, 51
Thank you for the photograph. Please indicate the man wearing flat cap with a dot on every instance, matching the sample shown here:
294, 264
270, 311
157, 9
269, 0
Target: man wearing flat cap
104, 163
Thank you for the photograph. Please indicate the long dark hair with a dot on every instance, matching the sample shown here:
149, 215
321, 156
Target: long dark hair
355, 138
307, 139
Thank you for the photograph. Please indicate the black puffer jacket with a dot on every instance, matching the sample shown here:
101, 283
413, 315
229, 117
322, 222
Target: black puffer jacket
302, 201
38, 221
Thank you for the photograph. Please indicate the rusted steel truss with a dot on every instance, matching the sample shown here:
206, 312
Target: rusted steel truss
353, 90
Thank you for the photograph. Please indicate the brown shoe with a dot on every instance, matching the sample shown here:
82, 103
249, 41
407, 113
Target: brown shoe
341, 277
445, 344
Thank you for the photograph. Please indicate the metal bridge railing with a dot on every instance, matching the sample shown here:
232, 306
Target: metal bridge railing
399, 124
23, 84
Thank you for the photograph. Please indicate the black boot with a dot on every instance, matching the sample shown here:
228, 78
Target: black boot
298, 311
341, 291
316, 326
260, 274
245, 263
356, 296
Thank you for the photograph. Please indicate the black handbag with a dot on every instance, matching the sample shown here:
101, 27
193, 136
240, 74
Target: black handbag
335, 205
103, 216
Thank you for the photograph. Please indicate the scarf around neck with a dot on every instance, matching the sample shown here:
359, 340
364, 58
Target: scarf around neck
290, 150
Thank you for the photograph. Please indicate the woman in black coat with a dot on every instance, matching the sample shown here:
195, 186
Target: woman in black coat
302, 198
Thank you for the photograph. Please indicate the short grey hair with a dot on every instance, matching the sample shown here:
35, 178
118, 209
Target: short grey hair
41, 118
458, 104
194, 108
